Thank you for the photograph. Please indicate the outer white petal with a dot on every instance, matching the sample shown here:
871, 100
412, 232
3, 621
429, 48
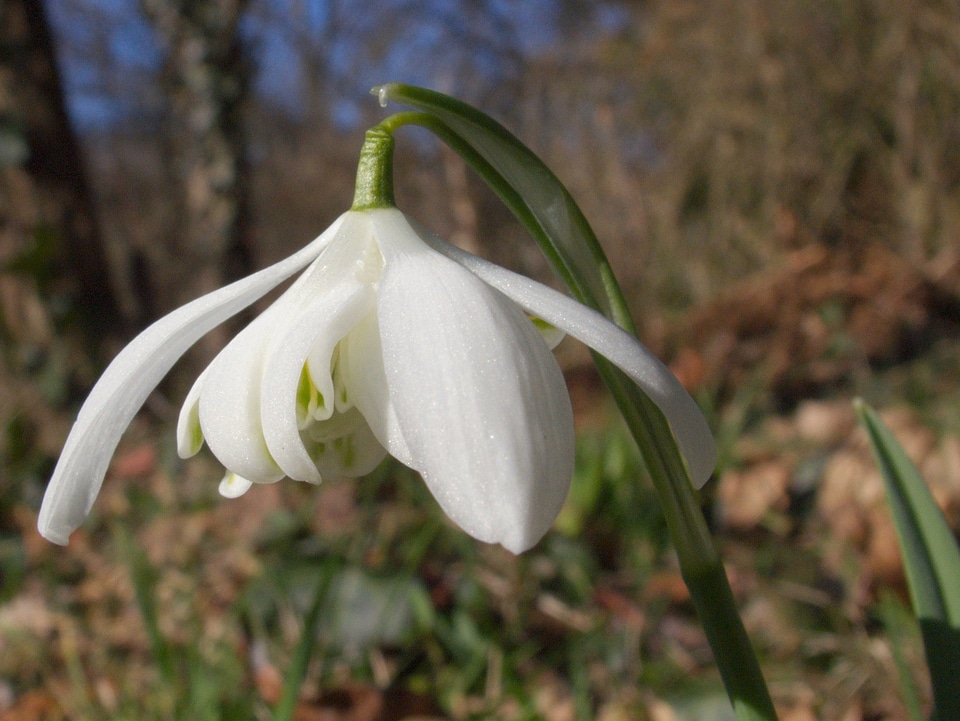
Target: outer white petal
622, 349
479, 396
130, 378
315, 329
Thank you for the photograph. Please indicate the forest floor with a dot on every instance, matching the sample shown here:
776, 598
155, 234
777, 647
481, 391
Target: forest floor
172, 602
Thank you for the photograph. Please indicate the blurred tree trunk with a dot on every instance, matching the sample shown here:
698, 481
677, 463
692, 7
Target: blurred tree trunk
43, 187
206, 77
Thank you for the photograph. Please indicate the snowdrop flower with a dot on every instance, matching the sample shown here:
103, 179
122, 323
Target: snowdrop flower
389, 341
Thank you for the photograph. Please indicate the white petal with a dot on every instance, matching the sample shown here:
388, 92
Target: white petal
130, 378
189, 433
361, 365
229, 405
479, 396
239, 403
622, 349
233, 486
315, 330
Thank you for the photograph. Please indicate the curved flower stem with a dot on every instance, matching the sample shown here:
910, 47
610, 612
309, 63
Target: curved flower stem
515, 174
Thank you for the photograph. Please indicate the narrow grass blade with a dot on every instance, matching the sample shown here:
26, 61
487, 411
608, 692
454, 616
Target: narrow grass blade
143, 576
297, 671
898, 623
931, 559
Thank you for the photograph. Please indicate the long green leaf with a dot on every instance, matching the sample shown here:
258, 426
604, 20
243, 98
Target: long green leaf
899, 623
547, 210
931, 560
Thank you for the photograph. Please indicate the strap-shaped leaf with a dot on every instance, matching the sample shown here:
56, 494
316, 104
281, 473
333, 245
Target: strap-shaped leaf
931, 559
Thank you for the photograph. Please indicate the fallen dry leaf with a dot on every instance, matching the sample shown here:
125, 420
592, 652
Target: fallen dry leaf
824, 422
746, 496
355, 702
34, 706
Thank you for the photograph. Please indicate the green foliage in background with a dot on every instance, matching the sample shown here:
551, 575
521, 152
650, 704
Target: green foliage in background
931, 559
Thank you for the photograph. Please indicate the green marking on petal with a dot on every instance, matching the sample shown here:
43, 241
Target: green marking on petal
310, 401
196, 433
551, 334
342, 400
233, 486
304, 396
542, 325
342, 445
345, 449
